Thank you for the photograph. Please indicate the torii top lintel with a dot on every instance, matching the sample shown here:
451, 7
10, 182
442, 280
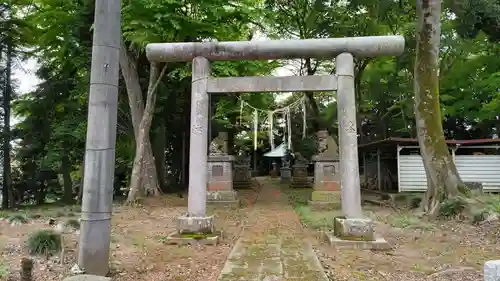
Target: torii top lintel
325, 48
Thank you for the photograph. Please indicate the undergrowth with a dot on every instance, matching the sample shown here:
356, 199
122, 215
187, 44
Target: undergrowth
44, 242
452, 207
72, 223
315, 219
4, 270
18, 219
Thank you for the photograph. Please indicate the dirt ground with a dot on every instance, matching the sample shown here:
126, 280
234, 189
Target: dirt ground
422, 250
137, 248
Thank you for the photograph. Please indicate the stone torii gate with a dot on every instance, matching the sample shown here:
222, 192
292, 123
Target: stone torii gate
342, 49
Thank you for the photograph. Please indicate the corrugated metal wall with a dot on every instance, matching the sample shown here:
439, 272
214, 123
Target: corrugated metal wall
472, 168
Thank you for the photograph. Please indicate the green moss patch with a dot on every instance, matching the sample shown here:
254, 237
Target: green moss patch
198, 236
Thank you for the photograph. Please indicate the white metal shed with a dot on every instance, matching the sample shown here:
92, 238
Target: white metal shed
480, 169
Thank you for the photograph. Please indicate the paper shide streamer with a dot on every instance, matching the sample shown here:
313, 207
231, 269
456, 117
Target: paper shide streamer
286, 111
270, 119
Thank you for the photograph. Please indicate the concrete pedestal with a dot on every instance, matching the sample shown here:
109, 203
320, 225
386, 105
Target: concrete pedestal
220, 181
242, 175
194, 230
299, 176
326, 191
358, 233
285, 175
188, 225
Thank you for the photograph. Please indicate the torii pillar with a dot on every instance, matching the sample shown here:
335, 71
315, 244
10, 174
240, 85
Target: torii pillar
343, 49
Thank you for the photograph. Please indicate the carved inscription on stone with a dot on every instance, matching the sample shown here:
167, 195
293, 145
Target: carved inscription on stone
348, 126
357, 230
217, 171
200, 108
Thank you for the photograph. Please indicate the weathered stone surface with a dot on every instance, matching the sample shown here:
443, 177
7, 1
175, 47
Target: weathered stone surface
87, 277
220, 173
326, 164
285, 175
325, 199
299, 176
242, 175
187, 224
354, 229
222, 195
492, 270
328, 149
282, 251
218, 146
327, 175
325, 196
379, 244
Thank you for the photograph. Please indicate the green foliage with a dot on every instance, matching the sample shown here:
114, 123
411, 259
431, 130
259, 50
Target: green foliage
18, 219
44, 242
404, 221
415, 202
452, 207
315, 220
50, 134
72, 223
4, 270
474, 16
409, 221
480, 215
307, 146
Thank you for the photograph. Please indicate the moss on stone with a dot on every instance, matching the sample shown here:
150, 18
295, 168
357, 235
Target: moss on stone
199, 236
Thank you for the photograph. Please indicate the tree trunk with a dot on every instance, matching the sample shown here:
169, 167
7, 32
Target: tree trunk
42, 190
131, 77
67, 182
159, 153
6, 188
358, 74
443, 180
140, 161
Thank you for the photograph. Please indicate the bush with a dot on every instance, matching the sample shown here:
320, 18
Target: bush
18, 219
44, 242
415, 202
4, 214
4, 270
452, 207
479, 216
493, 204
72, 223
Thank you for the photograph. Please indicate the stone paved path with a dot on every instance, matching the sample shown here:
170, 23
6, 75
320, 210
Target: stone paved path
273, 246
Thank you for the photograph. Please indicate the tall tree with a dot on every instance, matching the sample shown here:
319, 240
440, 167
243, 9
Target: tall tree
11, 30
144, 177
443, 180
477, 15
142, 137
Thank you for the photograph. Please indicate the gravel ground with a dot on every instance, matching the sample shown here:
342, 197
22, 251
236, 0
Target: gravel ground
137, 248
431, 251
